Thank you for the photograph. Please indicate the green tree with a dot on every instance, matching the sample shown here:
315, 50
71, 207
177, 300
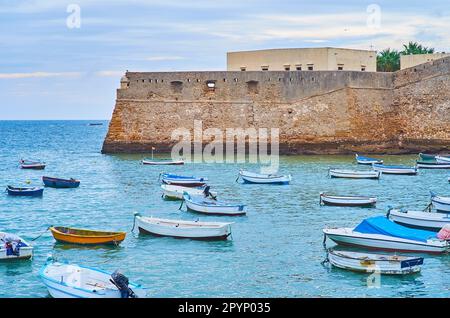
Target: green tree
415, 48
388, 61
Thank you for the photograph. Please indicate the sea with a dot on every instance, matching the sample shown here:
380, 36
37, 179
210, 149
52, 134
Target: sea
276, 250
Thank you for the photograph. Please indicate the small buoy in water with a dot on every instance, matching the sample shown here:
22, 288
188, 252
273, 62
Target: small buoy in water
28, 181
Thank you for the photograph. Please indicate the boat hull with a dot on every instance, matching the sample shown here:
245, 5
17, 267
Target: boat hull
354, 174
160, 229
176, 192
69, 284
348, 201
24, 253
60, 183
432, 165
38, 192
162, 163
421, 220
370, 263
184, 183
442, 159
441, 205
382, 242
255, 178
214, 207
367, 161
398, 171
101, 239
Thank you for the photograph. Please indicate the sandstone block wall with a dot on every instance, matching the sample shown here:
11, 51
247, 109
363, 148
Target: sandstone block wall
316, 111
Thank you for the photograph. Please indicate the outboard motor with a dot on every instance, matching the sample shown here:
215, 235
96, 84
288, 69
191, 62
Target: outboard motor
121, 282
208, 194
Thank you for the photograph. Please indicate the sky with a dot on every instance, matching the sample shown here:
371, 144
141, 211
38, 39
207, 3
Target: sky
64, 59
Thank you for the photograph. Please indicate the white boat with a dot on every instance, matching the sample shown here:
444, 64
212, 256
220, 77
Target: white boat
366, 160
385, 169
442, 159
162, 162
420, 219
441, 204
183, 229
74, 281
179, 180
14, 247
381, 233
251, 177
370, 263
204, 205
354, 174
347, 200
432, 165
176, 192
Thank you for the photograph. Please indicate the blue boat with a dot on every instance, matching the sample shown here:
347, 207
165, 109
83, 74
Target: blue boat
27, 192
366, 160
60, 183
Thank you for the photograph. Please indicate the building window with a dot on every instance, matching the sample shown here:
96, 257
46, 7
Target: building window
363, 68
340, 67
252, 87
265, 67
310, 67
243, 69
287, 67
298, 67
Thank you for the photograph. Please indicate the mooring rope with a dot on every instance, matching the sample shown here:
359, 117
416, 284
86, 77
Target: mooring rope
41, 234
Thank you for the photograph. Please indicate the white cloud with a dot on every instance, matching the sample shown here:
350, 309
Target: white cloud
38, 74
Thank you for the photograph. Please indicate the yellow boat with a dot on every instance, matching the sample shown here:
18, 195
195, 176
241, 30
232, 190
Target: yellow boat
86, 237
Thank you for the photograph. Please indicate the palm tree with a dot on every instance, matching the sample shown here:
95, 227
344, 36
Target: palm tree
415, 48
388, 61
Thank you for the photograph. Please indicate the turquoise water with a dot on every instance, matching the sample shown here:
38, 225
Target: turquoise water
275, 251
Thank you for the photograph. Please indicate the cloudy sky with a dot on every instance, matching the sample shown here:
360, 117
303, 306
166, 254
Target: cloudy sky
51, 69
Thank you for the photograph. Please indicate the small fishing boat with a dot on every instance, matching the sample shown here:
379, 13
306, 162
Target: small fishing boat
204, 205
14, 247
384, 234
427, 157
95, 124
354, 174
251, 177
442, 159
366, 160
173, 179
183, 229
86, 237
441, 204
162, 162
173, 192
27, 192
419, 219
402, 170
34, 165
65, 280
60, 183
347, 200
432, 165
370, 263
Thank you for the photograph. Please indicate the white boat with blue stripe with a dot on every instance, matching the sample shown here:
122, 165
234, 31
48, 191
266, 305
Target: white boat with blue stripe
14, 247
366, 160
65, 280
419, 219
200, 204
354, 174
390, 169
442, 159
251, 177
441, 204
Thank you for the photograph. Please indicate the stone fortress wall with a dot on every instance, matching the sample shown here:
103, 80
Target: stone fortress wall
318, 112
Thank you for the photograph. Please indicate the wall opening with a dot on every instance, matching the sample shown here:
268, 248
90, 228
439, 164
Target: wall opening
265, 67
287, 67
177, 86
363, 68
243, 69
211, 85
252, 87
310, 67
298, 67
340, 67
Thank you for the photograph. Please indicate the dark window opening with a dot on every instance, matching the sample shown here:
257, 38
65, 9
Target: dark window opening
265, 68
340, 67
252, 87
287, 67
176, 86
298, 67
311, 67
363, 68
243, 69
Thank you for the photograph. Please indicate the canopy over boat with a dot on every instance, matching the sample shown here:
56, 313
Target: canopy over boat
382, 225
